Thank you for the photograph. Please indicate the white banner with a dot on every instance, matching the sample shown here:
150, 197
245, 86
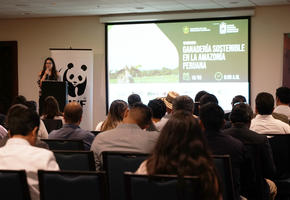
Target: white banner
76, 67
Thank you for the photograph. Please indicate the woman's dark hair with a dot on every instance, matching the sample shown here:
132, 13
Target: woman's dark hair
51, 108
115, 115
21, 120
157, 107
182, 150
53, 69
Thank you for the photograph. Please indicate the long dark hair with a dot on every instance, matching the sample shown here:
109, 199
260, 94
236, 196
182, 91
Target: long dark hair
115, 115
182, 150
51, 108
54, 75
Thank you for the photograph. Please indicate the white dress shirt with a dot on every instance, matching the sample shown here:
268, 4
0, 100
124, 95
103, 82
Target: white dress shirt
268, 124
283, 109
18, 154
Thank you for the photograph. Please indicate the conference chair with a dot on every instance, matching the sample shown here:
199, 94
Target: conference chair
61, 185
95, 132
13, 185
115, 164
52, 124
75, 160
63, 144
224, 169
169, 187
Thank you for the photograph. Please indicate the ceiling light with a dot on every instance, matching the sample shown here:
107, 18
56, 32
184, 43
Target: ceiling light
139, 8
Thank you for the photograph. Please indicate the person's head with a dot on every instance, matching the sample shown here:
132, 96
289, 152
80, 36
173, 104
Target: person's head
50, 108
208, 98
183, 102
132, 99
49, 64
19, 100
158, 108
139, 114
23, 122
238, 99
264, 103
196, 102
241, 113
73, 113
182, 150
31, 105
115, 115
283, 96
212, 116
168, 100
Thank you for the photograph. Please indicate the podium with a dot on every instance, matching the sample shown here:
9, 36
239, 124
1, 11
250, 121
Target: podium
57, 89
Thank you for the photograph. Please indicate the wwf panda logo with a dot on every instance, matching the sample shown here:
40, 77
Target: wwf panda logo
76, 79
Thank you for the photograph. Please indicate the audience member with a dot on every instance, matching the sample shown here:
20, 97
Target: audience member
260, 159
51, 109
236, 100
196, 101
132, 99
208, 98
158, 109
19, 152
181, 150
71, 130
114, 117
183, 102
3, 132
283, 101
168, 102
127, 136
212, 120
264, 122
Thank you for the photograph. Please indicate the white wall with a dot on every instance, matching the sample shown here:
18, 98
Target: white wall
36, 36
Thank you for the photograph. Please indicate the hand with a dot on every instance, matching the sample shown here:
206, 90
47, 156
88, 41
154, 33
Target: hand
46, 72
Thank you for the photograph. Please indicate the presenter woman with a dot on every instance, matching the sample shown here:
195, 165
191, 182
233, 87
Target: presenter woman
48, 71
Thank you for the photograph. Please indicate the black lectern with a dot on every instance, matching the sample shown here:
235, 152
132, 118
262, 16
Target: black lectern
57, 89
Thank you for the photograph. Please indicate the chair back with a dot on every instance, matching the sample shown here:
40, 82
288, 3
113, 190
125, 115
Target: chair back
169, 187
115, 164
60, 185
224, 169
95, 132
13, 184
64, 144
75, 160
52, 124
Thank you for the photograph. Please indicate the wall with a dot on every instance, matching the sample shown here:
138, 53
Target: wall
36, 36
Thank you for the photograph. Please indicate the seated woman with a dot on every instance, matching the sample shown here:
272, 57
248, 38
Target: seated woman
51, 111
114, 117
182, 150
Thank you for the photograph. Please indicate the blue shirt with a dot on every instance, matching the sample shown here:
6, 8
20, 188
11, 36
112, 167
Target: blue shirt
73, 132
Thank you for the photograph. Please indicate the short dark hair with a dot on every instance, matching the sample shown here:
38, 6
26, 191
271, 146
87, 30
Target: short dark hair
141, 114
208, 98
21, 120
183, 102
199, 95
158, 108
132, 99
73, 113
264, 103
283, 94
238, 99
212, 116
241, 113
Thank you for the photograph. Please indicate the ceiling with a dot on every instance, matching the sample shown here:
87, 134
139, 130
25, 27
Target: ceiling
56, 8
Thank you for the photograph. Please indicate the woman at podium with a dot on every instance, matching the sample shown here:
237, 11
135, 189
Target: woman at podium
48, 71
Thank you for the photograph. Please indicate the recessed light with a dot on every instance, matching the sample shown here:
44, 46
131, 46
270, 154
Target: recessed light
234, 2
139, 8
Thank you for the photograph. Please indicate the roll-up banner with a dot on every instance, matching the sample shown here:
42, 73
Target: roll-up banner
76, 67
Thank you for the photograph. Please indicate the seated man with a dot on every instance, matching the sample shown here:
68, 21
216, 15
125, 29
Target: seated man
261, 161
264, 122
212, 121
183, 102
19, 152
283, 101
71, 130
127, 136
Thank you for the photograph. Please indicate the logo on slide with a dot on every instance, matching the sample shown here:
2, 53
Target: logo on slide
228, 28
186, 29
218, 76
